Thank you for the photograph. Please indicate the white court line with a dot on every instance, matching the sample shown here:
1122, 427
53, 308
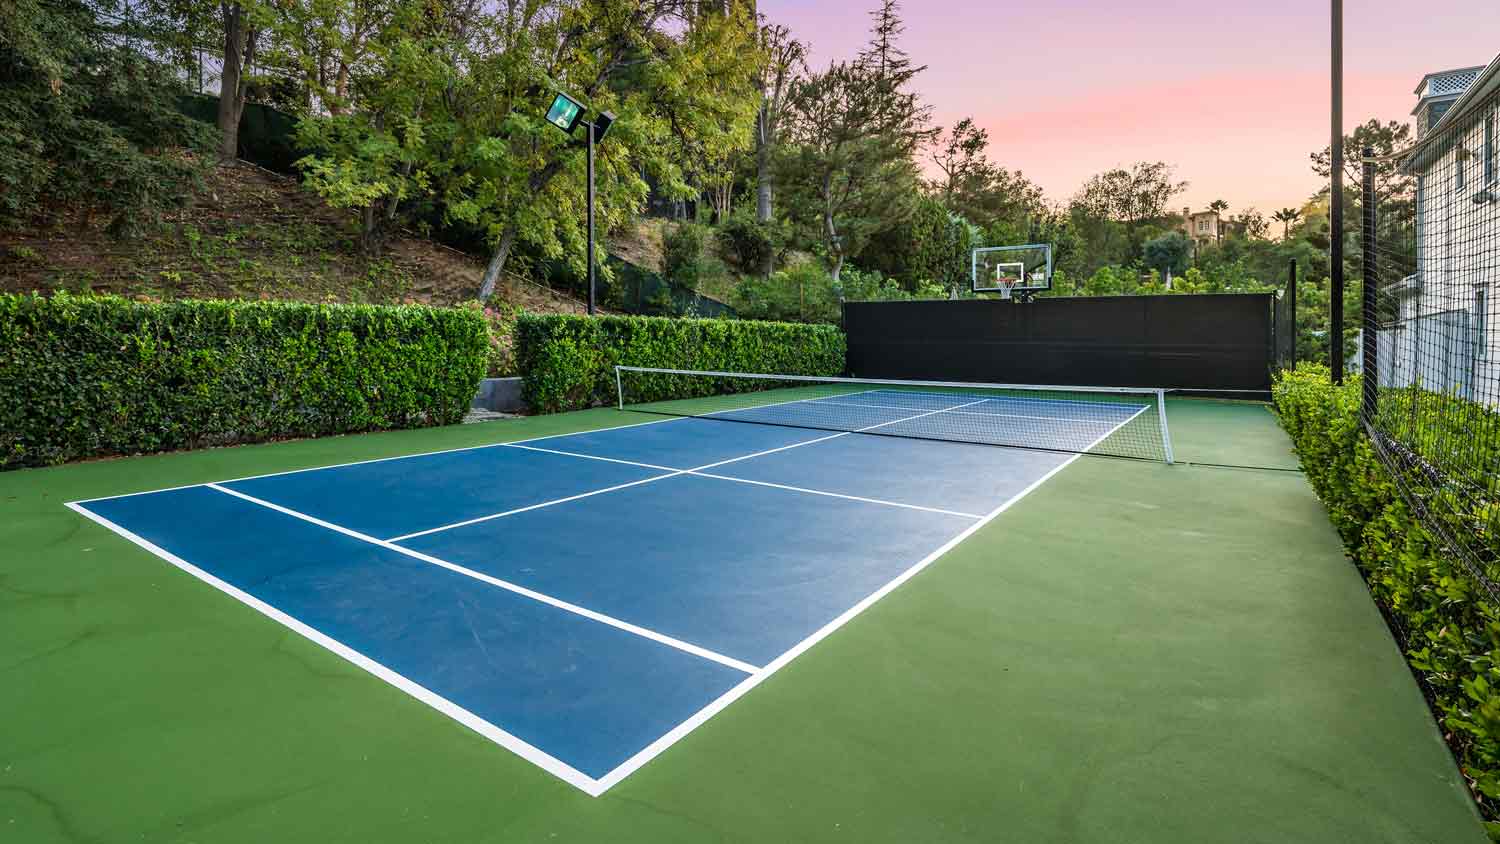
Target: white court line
378, 459
880, 501
539, 505
654, 749
671, 474
531, 753
598, 457
696, 473
686, 647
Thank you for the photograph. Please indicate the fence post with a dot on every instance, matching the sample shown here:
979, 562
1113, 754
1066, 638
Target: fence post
1291, 294
1336, 201
1370, 365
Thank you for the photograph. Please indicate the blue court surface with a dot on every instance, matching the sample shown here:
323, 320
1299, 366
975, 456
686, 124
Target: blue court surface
586, 600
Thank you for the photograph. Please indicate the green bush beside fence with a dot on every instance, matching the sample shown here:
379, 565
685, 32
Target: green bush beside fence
1447, 624
87, 376
568, 361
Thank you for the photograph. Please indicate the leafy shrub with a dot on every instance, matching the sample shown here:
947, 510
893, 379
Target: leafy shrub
682, 248
801, 293
500, 329
932, 246
569, 360
1447, 624
748, 241
86, 376
856, 285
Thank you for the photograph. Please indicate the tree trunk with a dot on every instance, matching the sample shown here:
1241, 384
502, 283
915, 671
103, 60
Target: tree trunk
369, 238
497, 263
762, 178
232, 85
830, 231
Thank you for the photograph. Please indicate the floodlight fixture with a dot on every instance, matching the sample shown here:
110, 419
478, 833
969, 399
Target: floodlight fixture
565, 113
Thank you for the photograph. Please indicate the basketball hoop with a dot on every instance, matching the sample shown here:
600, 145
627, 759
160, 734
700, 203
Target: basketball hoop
1013, 273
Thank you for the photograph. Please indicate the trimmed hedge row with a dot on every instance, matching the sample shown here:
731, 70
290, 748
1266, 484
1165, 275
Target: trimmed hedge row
87, 376
568, 360
1445, 621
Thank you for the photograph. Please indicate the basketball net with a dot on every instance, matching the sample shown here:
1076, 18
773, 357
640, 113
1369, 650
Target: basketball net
1006, 283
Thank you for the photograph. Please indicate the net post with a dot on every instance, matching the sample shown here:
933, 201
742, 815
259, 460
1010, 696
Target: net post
619, 390
1161, 415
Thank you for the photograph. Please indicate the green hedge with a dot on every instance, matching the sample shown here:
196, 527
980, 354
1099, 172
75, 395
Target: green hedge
1446, 623
568, 361
87, 376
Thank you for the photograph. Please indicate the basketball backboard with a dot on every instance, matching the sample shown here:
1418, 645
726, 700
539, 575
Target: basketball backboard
1012, 269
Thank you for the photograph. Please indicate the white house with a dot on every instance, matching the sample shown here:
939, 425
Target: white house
1447, 330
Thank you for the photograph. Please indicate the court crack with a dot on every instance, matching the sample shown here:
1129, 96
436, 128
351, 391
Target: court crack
60, 818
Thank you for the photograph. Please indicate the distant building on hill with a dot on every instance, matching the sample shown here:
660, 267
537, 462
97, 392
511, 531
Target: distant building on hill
1202, 227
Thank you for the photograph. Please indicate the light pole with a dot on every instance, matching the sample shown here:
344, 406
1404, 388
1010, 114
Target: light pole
1336, 200
566, 113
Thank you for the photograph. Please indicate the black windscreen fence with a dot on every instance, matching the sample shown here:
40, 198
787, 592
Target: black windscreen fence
1201, 342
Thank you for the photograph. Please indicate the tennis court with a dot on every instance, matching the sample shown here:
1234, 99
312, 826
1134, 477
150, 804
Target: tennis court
586, 600
719, 618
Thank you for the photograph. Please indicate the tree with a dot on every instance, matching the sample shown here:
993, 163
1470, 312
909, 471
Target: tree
971, 186
672, 91
1218, 206
449, 112
856, 127
1286, 217
87, 120
1168, 254
1122, 199
1253, 224
332, 44
782, 66
1385, 139
1130, 196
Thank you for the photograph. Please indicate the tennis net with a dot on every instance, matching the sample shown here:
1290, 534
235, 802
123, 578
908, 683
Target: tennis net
1112, 421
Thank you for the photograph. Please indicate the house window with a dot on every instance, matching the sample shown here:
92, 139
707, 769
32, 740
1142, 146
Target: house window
1481, 324
1202, 226
1489, 149
1460, 155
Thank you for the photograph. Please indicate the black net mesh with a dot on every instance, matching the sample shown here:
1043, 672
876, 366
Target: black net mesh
1104, 421
1431, 345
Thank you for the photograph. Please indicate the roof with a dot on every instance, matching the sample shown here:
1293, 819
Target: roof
1420, 85
1486, 84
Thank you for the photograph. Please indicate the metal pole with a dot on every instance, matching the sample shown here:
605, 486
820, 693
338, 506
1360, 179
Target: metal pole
589, 127
1291, 292
1336, 201
1371, 348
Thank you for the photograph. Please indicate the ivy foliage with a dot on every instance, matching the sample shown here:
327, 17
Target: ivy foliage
569, 360
90, 376
1447, 624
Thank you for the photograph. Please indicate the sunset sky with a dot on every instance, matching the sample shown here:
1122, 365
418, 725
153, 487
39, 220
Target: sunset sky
1235, 95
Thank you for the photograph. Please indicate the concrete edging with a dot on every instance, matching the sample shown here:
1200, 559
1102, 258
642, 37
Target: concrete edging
500, 395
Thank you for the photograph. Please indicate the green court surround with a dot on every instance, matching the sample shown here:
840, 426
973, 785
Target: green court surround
1135, 652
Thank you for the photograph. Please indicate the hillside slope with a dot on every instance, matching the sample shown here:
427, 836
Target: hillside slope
253, 234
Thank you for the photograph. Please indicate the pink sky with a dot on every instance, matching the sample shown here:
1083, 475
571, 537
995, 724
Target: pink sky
1235, 95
